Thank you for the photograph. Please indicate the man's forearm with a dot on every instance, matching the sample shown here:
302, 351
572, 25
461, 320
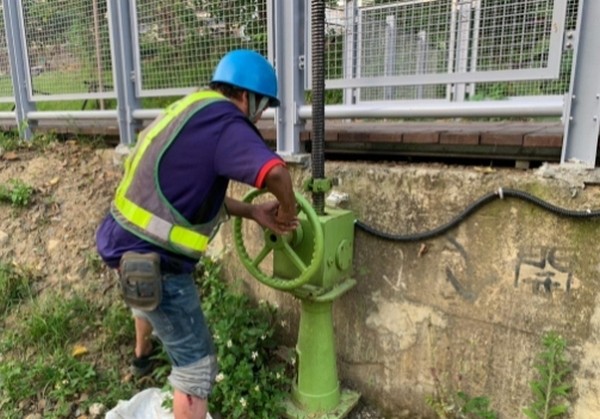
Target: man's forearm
279, 182
238, 208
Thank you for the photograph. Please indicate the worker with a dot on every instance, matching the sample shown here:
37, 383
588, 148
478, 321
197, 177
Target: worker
171, 200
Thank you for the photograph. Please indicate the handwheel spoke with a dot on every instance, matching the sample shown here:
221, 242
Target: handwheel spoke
293, 256
261, 256
307, 268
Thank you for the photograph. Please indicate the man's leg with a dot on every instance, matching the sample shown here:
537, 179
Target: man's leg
180, 325
188, 407
142, 364
143, 333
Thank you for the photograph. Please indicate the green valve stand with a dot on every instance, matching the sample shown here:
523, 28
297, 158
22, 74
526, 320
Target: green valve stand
314, 264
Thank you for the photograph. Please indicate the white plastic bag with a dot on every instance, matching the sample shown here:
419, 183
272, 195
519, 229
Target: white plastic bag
144, 405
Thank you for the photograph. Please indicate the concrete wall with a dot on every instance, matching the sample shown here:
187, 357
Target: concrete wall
466, 310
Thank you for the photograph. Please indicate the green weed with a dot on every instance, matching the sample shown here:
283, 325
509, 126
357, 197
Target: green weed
118, 324
14, 287
12, 141
9, 141
478, 407
39, 365
17, 193
55, 321
551, 389
58, 379
93, 261
460, 405
249, 383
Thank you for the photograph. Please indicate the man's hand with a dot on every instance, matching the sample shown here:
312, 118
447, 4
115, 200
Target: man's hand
272, 216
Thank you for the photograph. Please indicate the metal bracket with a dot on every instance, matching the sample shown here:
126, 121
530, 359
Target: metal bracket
318, 185
301, 62
569, 40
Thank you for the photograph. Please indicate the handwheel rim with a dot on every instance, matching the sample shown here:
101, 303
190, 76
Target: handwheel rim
283, 284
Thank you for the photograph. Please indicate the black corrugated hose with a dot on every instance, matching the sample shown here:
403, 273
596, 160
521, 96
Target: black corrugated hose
318, 100
499, 194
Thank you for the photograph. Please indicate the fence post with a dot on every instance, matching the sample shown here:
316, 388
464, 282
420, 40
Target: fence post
350, 48
287, 22
19, 68
121, 46
582, 104
389, 53
463, 40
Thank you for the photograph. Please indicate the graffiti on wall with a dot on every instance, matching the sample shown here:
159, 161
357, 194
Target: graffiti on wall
546, 270
457, 267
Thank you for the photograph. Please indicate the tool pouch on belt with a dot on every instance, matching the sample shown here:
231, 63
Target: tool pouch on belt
141, 281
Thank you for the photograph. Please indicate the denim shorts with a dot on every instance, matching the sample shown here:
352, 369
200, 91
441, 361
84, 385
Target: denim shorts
180, 325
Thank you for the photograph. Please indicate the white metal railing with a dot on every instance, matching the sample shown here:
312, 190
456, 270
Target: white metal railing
399, 59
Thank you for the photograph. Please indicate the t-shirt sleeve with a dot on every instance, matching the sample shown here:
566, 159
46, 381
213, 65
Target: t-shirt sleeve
242, 155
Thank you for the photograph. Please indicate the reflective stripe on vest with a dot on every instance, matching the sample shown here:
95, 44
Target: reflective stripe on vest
174, 236
187, 241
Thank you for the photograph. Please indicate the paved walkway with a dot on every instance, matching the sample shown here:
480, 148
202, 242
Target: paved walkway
526, 141
501, 140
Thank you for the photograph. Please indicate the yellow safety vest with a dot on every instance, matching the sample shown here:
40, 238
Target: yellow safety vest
139, 205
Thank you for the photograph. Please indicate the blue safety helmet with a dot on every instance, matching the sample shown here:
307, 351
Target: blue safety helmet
250, 71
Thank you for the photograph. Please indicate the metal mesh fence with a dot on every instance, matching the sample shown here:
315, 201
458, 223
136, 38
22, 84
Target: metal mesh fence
68, 49
415, 37
406, 38
178, 43
181, 41
6, 88
531, 24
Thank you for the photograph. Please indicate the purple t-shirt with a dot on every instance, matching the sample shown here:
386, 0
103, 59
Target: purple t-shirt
217, 144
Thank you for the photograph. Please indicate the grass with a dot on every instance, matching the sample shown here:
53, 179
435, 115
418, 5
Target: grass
66, 351
55, 355
15, 287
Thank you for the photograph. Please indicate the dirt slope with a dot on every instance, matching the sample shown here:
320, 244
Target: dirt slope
54, 237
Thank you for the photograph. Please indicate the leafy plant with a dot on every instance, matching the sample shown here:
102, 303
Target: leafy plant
478, 407
14, 287
250, 383
460, 405
551, 389
450, 402
17, 193
9, 141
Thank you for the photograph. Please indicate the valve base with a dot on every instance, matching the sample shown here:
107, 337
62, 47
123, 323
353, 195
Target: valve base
348, 400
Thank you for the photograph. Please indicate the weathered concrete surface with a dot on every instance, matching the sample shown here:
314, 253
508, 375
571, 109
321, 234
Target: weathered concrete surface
464, 311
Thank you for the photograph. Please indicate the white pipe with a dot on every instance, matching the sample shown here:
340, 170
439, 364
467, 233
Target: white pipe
153, 113
146, 113
495, 108
50, 115
546, 106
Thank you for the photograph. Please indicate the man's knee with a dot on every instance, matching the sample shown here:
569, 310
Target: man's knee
195, 379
